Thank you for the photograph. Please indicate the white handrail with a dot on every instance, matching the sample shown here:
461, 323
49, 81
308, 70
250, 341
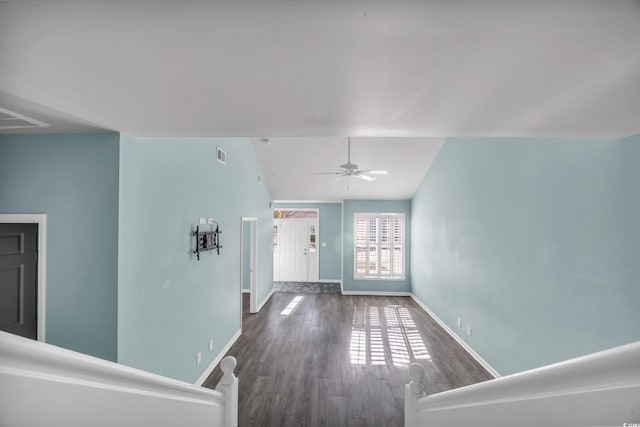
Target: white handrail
34, 376
598, 389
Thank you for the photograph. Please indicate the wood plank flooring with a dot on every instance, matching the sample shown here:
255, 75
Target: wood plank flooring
337, 360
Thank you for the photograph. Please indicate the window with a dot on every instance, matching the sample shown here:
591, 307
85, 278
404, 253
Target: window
379, 246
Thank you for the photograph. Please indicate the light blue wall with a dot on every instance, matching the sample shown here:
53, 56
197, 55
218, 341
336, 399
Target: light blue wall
170, 304
374, 206
535, 243
330, 231
246, 255
74, 180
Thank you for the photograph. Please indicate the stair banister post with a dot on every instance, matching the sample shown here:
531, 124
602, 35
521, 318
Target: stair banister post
412, 392
228, 385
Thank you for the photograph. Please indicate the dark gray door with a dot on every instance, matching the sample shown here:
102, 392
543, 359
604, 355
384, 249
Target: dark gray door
18, 279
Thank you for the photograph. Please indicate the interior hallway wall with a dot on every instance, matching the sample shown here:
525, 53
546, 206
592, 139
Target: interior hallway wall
171, 304
73, 179
534, 243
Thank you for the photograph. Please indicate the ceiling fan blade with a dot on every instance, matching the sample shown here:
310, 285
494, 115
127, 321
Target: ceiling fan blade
364, 177
375, 172
326, 173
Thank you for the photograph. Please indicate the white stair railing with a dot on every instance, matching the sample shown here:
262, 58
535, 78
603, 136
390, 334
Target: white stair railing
600, 389
44, 385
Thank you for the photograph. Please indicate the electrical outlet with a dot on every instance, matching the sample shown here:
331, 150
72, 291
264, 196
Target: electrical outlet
469, 330
459, 323
210, 345
198, 358
203, 221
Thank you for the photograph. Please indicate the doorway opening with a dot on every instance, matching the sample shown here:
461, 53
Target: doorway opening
23, 274
295, 245
249, 263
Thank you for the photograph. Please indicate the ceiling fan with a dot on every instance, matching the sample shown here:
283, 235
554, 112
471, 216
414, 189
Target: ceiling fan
350, 169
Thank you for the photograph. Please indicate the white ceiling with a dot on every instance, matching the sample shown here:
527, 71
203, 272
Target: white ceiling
55, 121
331, 68
288, 162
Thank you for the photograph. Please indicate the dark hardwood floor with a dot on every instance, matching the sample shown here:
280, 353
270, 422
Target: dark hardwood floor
335, 360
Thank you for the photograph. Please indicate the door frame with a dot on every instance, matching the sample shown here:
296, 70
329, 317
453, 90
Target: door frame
316, 277
253, 261
41, 221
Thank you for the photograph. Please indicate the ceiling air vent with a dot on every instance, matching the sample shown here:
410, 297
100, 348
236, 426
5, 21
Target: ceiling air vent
222, 156
11, 120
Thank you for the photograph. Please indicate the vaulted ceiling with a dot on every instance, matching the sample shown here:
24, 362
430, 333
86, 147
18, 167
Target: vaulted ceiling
283, 68
290, 166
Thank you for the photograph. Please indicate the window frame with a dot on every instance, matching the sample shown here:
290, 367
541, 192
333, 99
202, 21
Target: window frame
378, 245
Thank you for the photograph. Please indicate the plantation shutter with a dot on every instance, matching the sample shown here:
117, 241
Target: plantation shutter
379, 246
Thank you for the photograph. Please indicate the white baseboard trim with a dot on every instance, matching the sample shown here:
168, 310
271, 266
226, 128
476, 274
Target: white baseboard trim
264, 301
218, 358
457, 338
329, 281
246, 291
377, 293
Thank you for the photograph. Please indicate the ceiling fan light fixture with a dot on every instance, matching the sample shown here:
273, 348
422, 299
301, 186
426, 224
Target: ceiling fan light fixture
349, 166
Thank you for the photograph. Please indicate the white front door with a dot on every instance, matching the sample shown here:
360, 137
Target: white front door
292, 256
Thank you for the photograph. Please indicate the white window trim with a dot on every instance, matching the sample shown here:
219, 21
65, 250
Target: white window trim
404, 247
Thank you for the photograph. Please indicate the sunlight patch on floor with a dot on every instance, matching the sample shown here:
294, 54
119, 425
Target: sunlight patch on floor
358, 348
385, 335
292, 305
